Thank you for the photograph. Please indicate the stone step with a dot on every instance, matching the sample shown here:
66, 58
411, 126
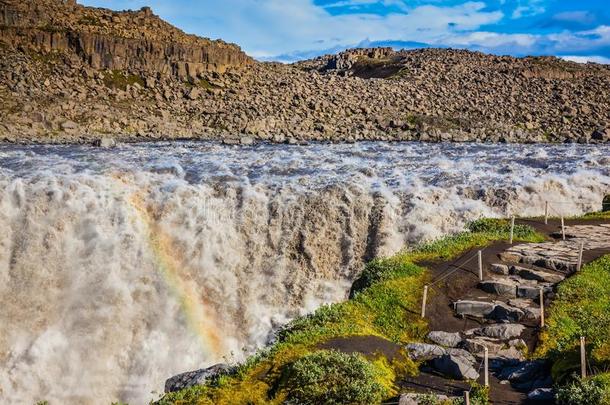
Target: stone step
529, 274
515, 287
497, 311
560, 256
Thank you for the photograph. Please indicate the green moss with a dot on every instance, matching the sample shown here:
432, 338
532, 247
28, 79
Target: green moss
120, 80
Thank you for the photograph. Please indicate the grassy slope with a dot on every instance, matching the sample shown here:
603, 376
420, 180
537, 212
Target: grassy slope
582, 308
386, 305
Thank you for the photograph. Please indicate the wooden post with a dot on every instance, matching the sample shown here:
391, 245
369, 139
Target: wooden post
546, 212
583, 358
486, 367
466, 397
423, 303
542, 307
580, 252
563, 228
480, 266
512, 229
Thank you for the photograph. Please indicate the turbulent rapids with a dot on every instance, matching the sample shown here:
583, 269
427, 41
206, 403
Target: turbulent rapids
122, 267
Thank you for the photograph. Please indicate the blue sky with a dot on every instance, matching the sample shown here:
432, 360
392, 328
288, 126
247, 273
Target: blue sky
288, 30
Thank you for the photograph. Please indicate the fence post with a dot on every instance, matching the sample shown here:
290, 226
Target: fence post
467, 397
542, 307
563, 228
480, 265
423, 303
486, 368
580, 252
583, 358
512, 229
546, 212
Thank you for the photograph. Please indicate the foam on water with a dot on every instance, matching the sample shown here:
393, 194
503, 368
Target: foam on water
122, 267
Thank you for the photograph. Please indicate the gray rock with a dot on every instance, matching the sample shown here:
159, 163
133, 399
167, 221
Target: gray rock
69, 125
499, 287
193, 378
477, 345
530, 274
502, 331
524, 291
455, 367
602, 135
474, 308
501, 269
506, 313
246, 140
445, 338
105, 142
541, 394
464, 354
424, 351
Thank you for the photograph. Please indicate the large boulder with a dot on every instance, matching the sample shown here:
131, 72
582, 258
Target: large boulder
454, 366
530, 274
506, 313
504, 331
193, 378
424, 351
499, 287
445, 338
478, 309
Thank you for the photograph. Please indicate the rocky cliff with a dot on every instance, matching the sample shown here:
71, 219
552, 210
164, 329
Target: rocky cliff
136, 41
70, 73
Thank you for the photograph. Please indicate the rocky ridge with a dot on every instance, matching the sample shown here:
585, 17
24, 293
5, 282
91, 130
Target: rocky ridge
56, 87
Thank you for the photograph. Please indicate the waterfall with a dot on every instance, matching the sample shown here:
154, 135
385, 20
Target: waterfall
120, 268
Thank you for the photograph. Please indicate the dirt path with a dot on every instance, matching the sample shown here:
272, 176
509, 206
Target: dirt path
463, 286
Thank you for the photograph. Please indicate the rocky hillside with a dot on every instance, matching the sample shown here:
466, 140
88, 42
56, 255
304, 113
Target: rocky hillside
70, 73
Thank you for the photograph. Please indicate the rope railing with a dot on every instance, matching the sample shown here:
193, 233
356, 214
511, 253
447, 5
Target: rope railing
585, 363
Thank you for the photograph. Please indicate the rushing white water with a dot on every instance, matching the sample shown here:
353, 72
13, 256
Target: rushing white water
122, 267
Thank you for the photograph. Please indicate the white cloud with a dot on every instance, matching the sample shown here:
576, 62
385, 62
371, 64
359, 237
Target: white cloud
272, 27
528, 8
267, 28
586, 59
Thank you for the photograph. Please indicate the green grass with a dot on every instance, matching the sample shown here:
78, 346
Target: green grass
385, 302
581, 308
